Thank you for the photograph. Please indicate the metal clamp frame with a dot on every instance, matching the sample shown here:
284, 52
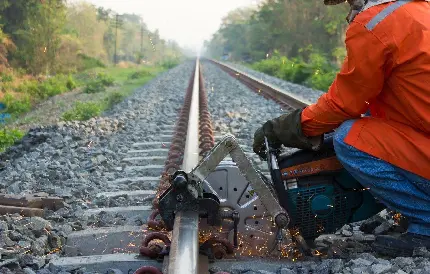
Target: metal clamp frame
229, 146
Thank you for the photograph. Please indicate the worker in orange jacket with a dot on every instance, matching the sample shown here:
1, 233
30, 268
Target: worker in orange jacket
379, 105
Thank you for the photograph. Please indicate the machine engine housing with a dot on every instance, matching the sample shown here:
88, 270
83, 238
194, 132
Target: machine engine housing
319, 194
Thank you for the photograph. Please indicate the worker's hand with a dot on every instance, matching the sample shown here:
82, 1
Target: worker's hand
265, 131
286, 130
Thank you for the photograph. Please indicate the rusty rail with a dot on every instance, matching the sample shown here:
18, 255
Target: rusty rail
206, 139
184, 250
176, 150
287, 100
193, 138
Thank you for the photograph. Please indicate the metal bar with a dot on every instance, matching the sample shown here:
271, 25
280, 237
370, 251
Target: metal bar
229, 146
191, 153
184, 249
183, 255
293, 100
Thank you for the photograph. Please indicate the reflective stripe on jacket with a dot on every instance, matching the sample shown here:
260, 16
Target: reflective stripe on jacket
387, 70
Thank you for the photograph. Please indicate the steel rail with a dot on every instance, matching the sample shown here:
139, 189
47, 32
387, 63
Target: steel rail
184, 249
279, 95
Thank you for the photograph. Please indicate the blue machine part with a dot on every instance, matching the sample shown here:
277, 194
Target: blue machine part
322, 204
325, 200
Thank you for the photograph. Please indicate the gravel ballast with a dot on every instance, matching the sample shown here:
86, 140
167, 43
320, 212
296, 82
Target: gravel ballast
79, 160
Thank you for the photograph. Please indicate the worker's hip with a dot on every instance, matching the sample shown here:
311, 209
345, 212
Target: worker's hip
393, 142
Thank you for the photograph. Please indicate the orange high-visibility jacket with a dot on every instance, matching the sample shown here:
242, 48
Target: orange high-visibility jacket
387, 70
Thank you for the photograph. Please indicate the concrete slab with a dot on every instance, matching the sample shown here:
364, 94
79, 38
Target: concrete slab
127, 263
152, 168
171, 126
106, 240
143, 180
133, 193
149, 152
158, 144
128, 212
146, 160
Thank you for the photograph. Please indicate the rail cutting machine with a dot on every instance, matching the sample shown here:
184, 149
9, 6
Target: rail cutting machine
308, 192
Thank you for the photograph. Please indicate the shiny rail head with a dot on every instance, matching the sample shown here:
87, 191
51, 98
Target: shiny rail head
184, 249
298, 99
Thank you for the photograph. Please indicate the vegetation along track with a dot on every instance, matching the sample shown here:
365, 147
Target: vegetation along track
111, 170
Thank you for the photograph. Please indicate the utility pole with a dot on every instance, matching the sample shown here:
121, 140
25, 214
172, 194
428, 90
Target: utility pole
141, 42
116, 37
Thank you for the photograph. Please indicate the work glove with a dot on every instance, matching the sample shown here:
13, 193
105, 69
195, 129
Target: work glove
285, 130
267, 131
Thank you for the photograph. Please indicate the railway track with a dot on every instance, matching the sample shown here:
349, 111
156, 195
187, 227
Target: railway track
116, 227
182, 140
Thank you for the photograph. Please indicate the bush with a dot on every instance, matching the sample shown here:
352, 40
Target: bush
294, 70
321, 81
269, 66
114, 98
323, 73
105, 79
50, 87
169, 63
4, 87
8, 137
71, 84
317, 73
6, 78
82, 111
139, 74
94, 87
17, 105
99, 84
301, 71
286, 71
87, 62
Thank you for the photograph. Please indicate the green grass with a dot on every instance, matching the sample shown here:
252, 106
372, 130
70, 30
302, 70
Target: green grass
8, 137
17, 105
88, 62
48, 88
83, 111
127, 80
130, 81
99, 83
122, 75
118, 83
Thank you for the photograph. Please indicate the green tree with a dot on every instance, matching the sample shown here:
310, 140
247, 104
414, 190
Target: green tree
281, 25
52, 37
40, 37
83, 23
6, 45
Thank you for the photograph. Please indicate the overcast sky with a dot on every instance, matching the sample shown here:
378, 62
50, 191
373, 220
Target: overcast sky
189, 22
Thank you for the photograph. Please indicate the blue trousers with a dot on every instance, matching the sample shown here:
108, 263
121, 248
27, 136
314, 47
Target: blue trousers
398, 189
